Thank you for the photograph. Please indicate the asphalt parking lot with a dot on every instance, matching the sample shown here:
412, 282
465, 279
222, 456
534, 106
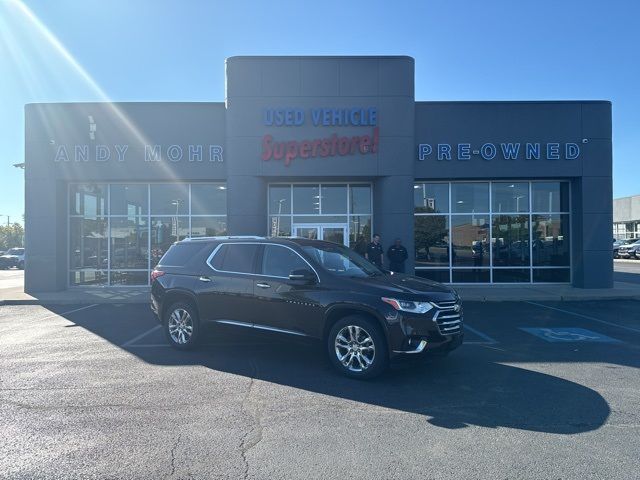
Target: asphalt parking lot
94, 392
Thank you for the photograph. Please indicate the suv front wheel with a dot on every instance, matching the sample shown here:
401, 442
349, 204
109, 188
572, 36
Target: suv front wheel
181, 326
357, 348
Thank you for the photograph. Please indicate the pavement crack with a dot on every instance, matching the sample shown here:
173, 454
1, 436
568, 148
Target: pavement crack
253, 408
173, 456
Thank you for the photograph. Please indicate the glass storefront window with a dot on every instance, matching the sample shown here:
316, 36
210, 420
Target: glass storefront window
208, 199
129, 242
472, 197
510, 197
208, 226
88, 277
431, 197
511, 275
510, 240
471, 275
279, 199
129, 199
470, 237
500, 231
360, 199
88, 199
359, 233
550, 197
435, 274
432, 240
550, 243
280, 226
121, 247
164, 232
137, 277
306, 199
333, 199
88, 243
169, 199
551, 275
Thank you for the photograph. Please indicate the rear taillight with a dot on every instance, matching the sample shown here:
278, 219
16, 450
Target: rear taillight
155, 274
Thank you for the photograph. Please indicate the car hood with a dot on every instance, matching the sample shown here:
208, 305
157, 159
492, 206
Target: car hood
406, 284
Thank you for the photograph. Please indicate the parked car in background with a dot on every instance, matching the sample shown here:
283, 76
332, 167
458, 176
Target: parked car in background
617, 244
365, 317
14, 257
631, 250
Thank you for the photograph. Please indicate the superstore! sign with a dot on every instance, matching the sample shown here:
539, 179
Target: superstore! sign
325, 146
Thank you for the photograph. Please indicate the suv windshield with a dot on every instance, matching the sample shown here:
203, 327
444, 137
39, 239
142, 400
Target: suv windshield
15, 251
341, 261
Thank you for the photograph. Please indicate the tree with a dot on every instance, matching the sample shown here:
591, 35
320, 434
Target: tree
11, 236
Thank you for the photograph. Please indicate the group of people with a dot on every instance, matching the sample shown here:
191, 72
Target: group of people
396, 253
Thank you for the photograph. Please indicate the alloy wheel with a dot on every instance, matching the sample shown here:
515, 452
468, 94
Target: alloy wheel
355, 348
180, 326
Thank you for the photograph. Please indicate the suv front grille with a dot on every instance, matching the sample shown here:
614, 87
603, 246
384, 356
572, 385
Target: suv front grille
448, 320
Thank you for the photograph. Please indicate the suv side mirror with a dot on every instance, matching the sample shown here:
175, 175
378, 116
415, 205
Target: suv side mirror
303, 275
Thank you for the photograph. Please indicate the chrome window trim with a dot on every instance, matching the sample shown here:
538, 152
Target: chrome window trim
215, 250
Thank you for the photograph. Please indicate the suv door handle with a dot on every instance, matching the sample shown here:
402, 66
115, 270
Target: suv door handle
263, 285
204, 279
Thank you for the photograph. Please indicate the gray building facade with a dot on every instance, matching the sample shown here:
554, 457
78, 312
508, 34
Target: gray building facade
322, 147
626, 218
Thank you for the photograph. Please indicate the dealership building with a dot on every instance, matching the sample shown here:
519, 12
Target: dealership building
626, 218
335, 148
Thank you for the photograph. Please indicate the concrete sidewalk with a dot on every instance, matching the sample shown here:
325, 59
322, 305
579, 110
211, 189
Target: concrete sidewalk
479, 293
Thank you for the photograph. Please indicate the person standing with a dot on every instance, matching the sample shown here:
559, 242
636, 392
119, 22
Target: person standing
397, 255
375, 252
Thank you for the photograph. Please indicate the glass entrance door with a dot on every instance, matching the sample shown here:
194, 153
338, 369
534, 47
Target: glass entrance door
336, 233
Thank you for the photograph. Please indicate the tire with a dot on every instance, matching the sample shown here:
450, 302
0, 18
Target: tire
21, 266
182, 332
359, 334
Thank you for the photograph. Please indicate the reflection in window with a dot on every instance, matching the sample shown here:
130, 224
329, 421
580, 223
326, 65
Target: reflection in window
470, 197
164, 232
129, 242
510, 240
431, 197
88, 199
432, 240
510, 197
208, 199
334, 199
169, 199
470, 237
129, 199
306, 199
279, 199
550, 240
359, 233
88, 243
360, 200
208, 226
550, 196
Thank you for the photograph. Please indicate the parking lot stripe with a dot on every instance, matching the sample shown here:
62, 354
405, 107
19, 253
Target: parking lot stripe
489, 340
586, 317
142, 335
70, 311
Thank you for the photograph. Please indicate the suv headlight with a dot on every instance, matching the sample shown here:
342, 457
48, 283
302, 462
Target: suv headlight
408, 305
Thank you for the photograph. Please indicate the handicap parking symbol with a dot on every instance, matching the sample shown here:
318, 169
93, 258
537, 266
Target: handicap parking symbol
568, 334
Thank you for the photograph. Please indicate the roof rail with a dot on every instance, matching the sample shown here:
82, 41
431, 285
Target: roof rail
223, 237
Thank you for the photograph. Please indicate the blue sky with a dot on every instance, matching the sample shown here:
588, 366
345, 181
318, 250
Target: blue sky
174, 50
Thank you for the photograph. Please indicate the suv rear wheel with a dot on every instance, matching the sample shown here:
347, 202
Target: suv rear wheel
181, 326
357, 348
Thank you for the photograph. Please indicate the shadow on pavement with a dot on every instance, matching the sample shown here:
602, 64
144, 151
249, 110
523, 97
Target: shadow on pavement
471, 387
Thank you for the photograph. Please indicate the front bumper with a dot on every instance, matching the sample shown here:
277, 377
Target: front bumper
439, 330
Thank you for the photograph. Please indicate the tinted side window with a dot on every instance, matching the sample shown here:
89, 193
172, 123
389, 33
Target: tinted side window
179, 254
235, 258
279, 261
